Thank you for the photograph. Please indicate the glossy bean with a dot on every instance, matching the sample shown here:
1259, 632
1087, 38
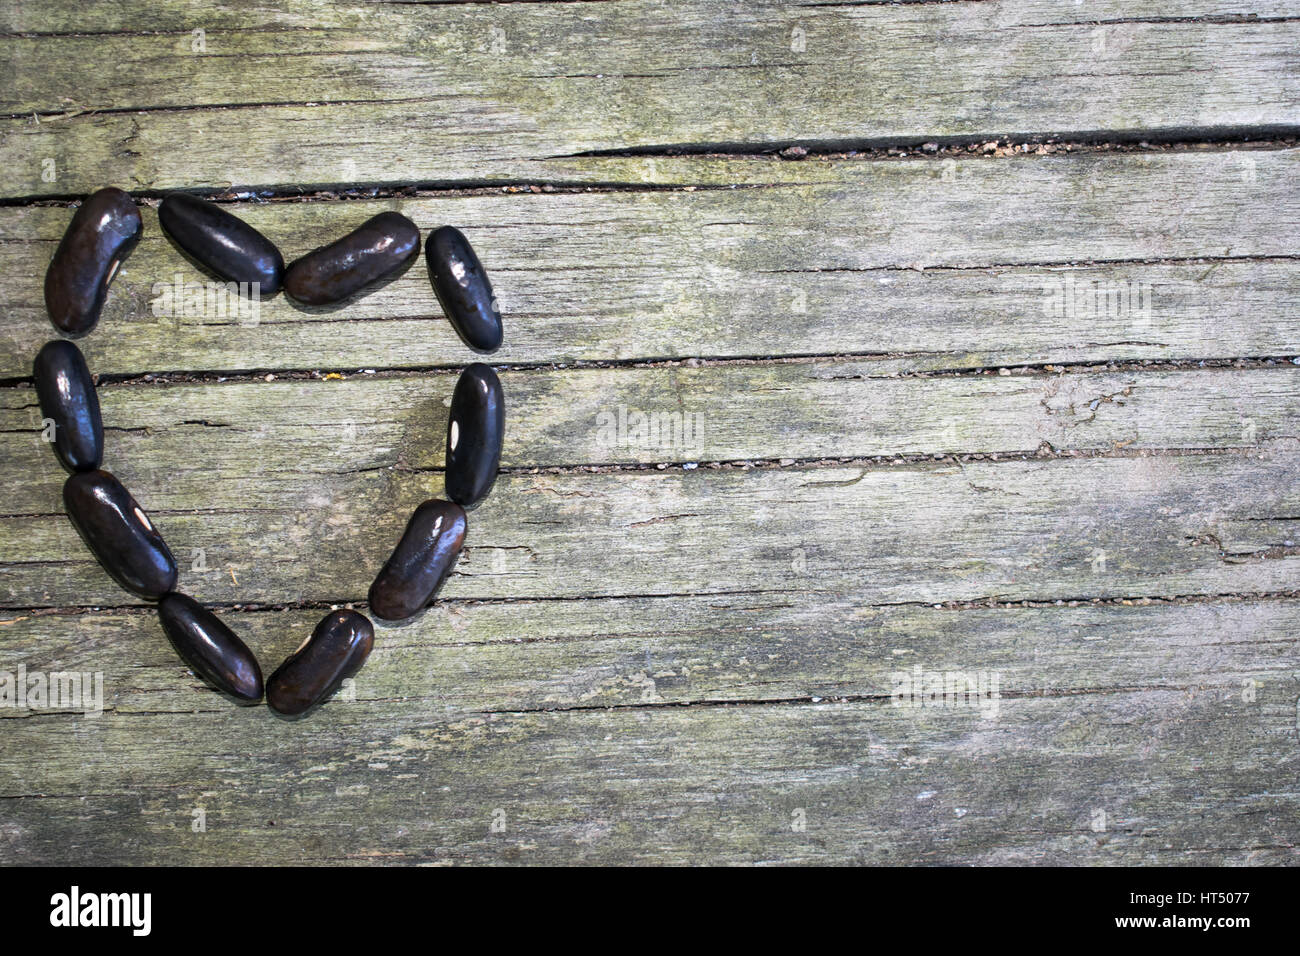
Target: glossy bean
334, 652
375, 249
68, 399
119, 534
475, 430
222, 243
102, 233
210, 648
463, 289
421, 561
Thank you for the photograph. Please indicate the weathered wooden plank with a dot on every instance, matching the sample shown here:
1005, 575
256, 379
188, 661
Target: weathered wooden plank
716, 609
1101, 527
1090, 778
501, 89
54, 17
714, 413
466, 658
545, 59
425, 714
830, 267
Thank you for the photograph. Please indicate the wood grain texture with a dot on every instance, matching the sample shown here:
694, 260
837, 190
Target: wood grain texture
490, 93
1024, 420
937, 264
1165, 526
824, 409
872, 784
467, 657
499, 708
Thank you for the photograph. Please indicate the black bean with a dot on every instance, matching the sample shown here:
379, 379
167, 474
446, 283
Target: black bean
421, 561
102, 233
212, 650
68, 399
463, 289
222, 243
378, 247
119, 534
335, 651
475, 430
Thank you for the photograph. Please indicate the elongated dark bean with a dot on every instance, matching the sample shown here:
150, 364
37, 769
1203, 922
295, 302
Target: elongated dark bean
379, 246
475, 430
119, 534
68, 399
335, 651
420, 562
222, 243
212, 650
463, 289
102, 233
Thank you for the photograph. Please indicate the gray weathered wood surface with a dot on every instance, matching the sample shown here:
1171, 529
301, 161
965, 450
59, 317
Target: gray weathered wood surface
915, 441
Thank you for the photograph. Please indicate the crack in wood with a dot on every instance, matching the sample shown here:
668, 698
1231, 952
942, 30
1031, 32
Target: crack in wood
162, 379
